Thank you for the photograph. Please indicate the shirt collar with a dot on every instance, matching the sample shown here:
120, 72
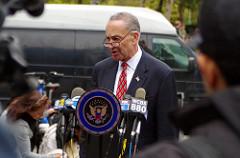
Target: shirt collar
133, 62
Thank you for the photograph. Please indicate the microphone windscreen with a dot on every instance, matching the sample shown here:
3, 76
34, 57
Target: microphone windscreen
77, 91
35, 7
140, 93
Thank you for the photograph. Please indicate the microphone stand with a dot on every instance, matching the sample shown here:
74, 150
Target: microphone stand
133, 132
63, 130
136, 139
121, 131
109, 144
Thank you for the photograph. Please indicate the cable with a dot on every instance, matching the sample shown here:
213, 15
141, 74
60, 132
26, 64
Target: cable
124, 146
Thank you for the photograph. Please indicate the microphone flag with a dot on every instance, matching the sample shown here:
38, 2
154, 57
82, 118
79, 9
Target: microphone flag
98, 111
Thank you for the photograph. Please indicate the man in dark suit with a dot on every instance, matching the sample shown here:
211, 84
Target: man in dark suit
143, 70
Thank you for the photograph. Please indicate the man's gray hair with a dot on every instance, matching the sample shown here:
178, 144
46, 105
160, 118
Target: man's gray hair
131, 20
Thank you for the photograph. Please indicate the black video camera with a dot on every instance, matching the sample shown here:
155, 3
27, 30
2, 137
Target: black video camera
12, 60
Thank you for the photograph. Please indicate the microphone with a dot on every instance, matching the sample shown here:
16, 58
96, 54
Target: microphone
133, 106
60, 103
69, 103
66, 107
138, 107
140, 93
141, 107
77, 91
121, 128
125, 103
139, 104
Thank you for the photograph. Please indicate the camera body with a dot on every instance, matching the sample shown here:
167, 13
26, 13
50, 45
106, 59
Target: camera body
12, 60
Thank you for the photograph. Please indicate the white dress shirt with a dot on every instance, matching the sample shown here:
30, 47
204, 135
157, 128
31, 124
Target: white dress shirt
132, 65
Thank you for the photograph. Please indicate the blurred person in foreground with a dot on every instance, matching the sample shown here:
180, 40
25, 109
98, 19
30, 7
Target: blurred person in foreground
22, 116
213, 126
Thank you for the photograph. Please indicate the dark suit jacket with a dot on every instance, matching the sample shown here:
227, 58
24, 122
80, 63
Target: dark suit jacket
159, 82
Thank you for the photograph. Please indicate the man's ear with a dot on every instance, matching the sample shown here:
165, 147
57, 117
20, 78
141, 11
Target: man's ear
135, 37
211, 74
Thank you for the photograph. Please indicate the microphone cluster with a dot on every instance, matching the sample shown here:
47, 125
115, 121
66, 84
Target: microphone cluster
98, 112
66, 108
135, 108
66, 103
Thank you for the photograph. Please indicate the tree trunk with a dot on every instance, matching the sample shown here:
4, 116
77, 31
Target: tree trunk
142, 3
160, 6
181, 10
79, 1
169, 8
95, 1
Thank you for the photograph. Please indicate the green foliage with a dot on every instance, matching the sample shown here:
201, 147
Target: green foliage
189, 12
153, 4
122, 2
69, 1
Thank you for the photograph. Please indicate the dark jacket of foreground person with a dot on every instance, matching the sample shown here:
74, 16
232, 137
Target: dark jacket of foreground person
217, 121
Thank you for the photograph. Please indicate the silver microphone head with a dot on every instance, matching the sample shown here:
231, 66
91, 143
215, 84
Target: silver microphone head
77, 91
140, 93
127, 96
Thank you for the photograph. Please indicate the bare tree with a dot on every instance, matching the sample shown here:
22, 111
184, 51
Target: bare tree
181, 10
169, 8
160, 6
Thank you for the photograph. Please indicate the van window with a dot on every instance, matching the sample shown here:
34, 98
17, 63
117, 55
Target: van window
171, 52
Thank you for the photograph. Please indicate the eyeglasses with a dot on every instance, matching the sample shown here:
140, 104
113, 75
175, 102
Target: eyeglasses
116, 41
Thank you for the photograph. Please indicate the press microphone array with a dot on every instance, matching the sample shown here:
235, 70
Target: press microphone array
66, 108
134, 109
65, 102
99, 111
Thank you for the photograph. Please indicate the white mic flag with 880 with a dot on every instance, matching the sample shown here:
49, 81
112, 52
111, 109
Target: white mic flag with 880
136, 105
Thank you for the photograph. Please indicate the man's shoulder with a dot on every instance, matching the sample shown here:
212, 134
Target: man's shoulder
106, 62
154, 63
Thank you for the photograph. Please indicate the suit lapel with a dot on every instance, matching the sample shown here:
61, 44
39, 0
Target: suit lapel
110, 76
139, 77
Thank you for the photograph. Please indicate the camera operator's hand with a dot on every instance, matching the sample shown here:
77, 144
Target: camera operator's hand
57, 153
49, 112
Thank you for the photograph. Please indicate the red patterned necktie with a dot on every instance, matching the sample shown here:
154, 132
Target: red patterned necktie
122, 82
